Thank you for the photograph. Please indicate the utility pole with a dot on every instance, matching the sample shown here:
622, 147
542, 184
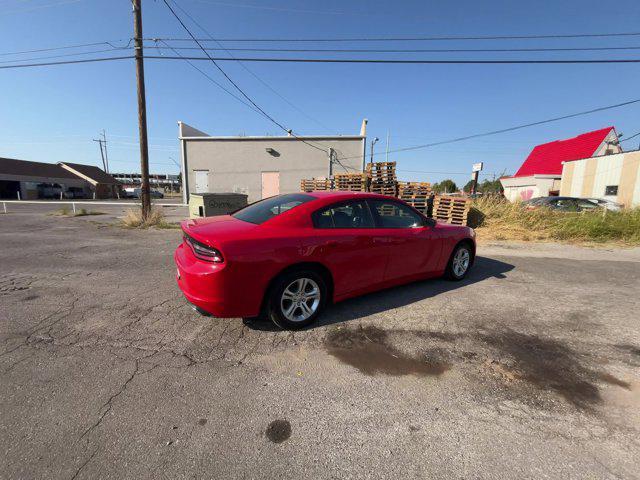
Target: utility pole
142, 110
106, 156
104, 165
373, 142
386, 157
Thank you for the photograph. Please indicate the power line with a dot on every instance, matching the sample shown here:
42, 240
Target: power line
67, 47
211, 79
414, 50
269, 117
273, 90
420, 38
629, 138
399, 61
509, 129
67, 62
67, 55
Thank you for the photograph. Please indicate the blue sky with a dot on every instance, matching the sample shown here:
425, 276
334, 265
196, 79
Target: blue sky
52, 114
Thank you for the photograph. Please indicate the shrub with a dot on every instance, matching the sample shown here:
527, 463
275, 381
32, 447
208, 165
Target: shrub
133, 219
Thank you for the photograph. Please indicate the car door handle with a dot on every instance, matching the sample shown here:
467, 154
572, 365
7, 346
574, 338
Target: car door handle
331, 243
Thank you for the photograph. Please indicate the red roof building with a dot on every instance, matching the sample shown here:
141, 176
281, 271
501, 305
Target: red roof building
539, 175
546, 159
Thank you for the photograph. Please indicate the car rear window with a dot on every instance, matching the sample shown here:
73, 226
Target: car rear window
268, 208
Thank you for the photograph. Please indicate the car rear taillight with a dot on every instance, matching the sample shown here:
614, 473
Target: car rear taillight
202, 251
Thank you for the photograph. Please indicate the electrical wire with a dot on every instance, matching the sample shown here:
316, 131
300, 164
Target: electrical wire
218, 84
273, 90
505, 130
398, 61
67, 62
119, 49
67, 47
416, 50
266, 115
629, 138
420, 38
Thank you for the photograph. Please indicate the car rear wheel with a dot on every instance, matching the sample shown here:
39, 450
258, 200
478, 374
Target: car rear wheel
297, 299
459, 262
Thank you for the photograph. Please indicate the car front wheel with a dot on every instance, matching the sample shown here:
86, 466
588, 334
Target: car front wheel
297, 299
459, 262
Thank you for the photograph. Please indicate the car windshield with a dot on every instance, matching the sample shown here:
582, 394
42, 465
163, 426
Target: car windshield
263, 210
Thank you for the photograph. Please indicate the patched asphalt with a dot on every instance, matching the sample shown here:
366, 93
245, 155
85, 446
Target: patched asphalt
530, 368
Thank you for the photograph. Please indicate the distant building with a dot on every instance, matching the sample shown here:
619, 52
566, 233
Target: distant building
615, 177
34, 180
540, 174
101, 183
264, 166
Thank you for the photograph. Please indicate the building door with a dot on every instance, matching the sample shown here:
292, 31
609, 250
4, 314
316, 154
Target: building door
270, 184
202, 181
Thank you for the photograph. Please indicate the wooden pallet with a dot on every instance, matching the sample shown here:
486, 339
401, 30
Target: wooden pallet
384, 188
353, 182
382, 171
414, 188
314, 184
452, 210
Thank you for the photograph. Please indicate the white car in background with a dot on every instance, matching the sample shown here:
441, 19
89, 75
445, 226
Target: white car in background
608, 204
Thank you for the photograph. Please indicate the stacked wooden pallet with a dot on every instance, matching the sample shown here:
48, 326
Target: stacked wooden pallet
452, 210
352, 182
383, 178
415, 194
314, 184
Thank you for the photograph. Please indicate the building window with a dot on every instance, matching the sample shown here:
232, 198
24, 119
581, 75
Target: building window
611, 190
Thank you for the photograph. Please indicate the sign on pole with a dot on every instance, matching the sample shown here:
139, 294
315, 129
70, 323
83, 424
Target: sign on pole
477, 167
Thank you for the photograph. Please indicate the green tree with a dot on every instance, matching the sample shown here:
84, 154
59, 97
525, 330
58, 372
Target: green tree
445, 186
468, 186
490, 186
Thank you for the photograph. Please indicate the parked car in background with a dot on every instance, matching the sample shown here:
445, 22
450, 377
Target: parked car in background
290, 255
564, 204
608, 204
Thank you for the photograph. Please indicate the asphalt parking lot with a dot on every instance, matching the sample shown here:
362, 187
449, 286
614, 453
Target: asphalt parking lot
530, 368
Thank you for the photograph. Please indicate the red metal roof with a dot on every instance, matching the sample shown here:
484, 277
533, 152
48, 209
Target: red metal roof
546, 159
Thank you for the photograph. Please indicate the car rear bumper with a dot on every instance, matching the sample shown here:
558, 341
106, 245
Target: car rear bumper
209, 287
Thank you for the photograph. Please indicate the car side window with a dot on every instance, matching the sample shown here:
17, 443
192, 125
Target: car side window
586, 204
344, 215
395, 215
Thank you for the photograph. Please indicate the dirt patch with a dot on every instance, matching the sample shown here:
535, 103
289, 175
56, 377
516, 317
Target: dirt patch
368, 349
632, 349
548, 365
278, 431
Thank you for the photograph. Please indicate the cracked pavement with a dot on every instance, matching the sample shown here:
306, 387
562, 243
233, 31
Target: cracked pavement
529, 368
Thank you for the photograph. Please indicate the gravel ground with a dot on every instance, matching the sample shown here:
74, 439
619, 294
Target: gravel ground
530, 368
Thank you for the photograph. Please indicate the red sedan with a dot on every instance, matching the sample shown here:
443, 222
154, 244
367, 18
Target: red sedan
288, 256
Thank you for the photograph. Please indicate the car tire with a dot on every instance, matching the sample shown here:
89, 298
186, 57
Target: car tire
296, 299
459, 262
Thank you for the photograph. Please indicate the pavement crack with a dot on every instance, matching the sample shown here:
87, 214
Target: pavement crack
86, 462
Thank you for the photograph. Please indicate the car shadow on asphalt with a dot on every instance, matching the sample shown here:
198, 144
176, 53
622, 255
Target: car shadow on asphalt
396, 297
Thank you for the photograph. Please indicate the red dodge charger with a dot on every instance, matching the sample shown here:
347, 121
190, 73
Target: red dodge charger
288, 256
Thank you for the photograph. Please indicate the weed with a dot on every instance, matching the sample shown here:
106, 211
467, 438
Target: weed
501, 220
133, 219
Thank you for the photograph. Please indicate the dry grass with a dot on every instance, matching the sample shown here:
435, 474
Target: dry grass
67, 212
133, 219
501, 220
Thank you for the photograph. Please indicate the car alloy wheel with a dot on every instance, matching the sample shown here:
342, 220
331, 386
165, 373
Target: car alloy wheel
461, 262
300, 299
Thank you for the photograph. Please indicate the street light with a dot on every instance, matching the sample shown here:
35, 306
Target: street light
373, 142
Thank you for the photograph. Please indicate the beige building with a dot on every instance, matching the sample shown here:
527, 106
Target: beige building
261, 167
613, 177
